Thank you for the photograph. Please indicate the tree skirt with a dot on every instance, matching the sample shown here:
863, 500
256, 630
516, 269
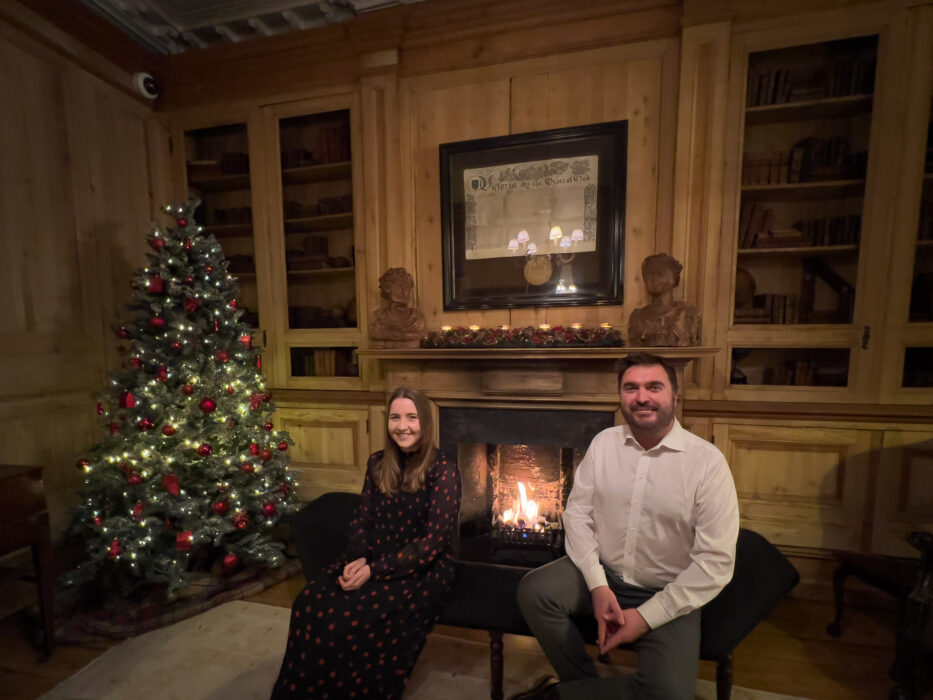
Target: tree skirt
121, 617
234, 652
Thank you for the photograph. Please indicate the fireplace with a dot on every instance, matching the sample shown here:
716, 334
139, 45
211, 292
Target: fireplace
516, 468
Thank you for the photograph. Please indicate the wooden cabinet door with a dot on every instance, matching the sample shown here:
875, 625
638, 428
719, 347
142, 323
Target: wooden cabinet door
800, 486
904, 497
331, 448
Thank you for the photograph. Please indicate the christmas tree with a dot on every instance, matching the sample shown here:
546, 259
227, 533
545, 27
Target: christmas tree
191, 473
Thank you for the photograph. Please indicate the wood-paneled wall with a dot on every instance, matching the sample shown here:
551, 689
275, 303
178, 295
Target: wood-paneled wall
76, 194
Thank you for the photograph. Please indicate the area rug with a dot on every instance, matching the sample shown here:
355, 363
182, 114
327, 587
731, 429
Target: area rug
233, 652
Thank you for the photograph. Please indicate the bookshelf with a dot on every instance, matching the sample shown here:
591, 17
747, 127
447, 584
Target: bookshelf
798, 232
217, 171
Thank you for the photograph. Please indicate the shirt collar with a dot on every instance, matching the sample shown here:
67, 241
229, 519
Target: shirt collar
674, 440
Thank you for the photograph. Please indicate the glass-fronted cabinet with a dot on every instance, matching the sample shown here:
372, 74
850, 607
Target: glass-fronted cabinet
314, 240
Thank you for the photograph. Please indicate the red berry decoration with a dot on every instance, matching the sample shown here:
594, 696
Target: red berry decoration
189, 280
82, 463
156, 285
241, 521
134, 479
208, 405
253, 449
162, 373
113, 551
98, 520
145, 424
191, 305
168, 430
100, 408
187, 389
157, 322
221, 507
171, 484
231, 561
222, 355
268, 426
176, 345
247, 468
205, 450
268, 509
182, 222
183, 540
265, 455
157, 243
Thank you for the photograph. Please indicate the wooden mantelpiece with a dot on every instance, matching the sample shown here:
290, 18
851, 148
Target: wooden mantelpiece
583, 376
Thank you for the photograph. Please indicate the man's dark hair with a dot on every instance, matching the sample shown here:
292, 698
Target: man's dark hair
646, 358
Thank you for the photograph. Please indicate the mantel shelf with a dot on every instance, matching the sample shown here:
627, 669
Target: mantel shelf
593, 353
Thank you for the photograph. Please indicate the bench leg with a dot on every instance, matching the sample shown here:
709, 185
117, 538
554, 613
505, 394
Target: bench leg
724, 678
495, 665
834, 628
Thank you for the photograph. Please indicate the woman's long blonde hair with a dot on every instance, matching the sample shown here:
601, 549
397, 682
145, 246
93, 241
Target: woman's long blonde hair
388, 475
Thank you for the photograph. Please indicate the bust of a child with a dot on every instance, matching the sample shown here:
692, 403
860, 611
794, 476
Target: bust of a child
396, 323
663, 322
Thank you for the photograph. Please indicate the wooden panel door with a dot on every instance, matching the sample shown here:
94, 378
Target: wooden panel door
331, 448
904, 500
800, 486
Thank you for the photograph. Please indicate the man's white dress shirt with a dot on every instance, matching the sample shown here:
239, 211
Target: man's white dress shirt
663, 518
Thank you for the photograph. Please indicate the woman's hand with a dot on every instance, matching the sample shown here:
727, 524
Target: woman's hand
354, 575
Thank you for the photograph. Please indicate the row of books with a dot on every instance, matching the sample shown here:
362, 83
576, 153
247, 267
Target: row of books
773, 309
772, 86
325, 206
757, 230
812, 159
228, 164
332, 146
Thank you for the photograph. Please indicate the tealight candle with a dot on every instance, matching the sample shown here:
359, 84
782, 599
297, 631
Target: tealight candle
576, 326
545, 326
474, 328
504, 327
446, 328
605, 325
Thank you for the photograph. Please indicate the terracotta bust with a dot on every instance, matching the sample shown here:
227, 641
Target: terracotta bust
664, 322
396, 323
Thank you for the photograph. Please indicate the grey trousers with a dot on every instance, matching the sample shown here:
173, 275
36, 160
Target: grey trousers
668, 657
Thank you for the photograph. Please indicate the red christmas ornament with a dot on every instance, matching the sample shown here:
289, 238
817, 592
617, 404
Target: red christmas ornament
247, 340
208, 269
189, 280
114, 428
82, 463
283, 446
232, 304
171, 484
222, 355
136, 363
284, 489
98, 520
230, 389
187, 244
259, 362
157, 322
268, 426
205, 450
162, 373
187, 389
247, 468
122, 332
253, 449
176, 345
168, 430
208, 405
268, 509
157, 243
134, 479
145, 424
231, 561
241, 521
100, 408
183, 540
156, 285
216, 326
265, 455
221, 507
113, 551
138, 509
127, 400
191, 305
181, 222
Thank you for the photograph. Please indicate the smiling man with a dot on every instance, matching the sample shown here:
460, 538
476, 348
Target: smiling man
651, 525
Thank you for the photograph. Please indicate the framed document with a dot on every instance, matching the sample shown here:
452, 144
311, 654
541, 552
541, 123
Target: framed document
534, 219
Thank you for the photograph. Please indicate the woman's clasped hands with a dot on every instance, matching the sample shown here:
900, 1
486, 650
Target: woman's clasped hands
354, 575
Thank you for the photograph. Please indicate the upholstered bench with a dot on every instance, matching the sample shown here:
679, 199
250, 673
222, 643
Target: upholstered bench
483, 595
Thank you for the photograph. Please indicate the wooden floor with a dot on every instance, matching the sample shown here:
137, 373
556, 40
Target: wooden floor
788, 653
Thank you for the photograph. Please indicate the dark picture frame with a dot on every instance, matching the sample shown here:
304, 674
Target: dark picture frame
501, 198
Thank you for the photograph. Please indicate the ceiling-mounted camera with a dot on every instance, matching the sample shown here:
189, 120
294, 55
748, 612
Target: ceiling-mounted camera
147, 85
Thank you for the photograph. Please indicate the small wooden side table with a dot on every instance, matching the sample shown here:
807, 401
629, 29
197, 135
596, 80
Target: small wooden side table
24, 521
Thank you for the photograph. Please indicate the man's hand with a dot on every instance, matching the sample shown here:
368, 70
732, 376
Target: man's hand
634, 627
609, 618
354, 575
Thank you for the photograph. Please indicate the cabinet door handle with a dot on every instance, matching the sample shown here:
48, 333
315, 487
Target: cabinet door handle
866, 336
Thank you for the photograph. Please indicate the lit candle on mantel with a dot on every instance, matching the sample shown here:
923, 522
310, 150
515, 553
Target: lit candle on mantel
474, 328
446, 329
605, 325
545, 326
576, 326
504, 327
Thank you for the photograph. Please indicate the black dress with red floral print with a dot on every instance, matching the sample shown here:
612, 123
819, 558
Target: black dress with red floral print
364, 643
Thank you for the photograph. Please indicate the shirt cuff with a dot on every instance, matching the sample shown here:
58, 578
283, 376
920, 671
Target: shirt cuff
653, 612
595, 576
